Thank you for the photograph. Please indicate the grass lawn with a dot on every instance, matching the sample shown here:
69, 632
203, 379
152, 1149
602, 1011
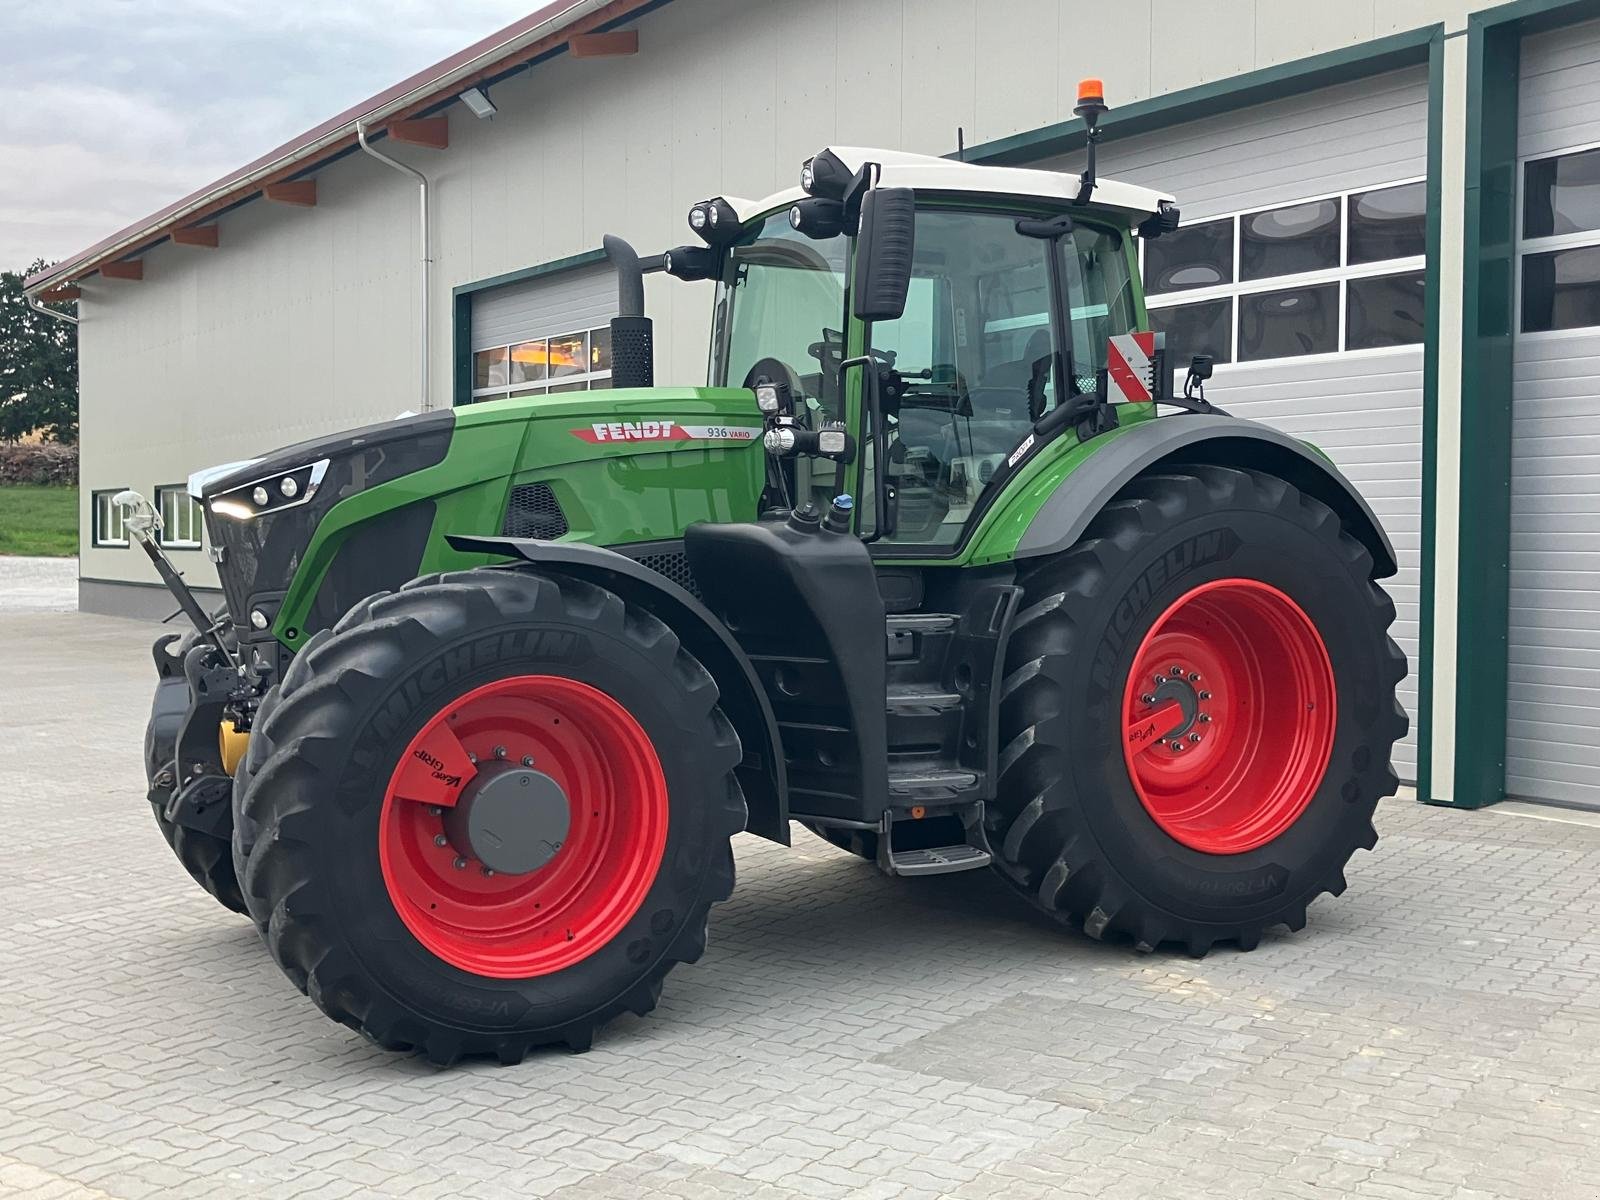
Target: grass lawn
35, 519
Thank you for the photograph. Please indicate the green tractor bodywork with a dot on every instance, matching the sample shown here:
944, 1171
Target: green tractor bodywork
928, 564
610, 492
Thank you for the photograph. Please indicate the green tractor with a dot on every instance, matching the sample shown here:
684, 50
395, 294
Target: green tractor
941, 567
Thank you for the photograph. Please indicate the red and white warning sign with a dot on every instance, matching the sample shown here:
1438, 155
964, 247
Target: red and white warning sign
665, 431
1130, 361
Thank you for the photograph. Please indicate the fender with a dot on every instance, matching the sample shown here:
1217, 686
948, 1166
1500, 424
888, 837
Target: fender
762, 775
1213, 440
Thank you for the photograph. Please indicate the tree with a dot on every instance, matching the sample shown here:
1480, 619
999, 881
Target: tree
38, 366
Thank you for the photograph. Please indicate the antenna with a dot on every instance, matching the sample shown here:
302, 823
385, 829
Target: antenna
961, 144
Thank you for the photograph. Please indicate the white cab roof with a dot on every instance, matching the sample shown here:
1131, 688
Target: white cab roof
927, 173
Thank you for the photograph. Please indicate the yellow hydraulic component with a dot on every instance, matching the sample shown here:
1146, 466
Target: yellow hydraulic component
231, 741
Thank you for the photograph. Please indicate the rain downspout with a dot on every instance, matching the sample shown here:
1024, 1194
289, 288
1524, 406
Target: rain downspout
48, 312
427, 246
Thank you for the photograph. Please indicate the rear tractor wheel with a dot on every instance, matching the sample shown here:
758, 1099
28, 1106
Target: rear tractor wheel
1197, 714
489, 812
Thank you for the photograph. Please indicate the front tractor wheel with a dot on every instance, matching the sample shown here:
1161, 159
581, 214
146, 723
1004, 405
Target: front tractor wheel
1197, 715
489, 812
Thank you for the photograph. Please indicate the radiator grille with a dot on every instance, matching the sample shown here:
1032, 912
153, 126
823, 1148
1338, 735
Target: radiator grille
533, 512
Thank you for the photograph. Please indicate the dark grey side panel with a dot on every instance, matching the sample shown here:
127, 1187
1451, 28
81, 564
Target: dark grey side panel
1193, 438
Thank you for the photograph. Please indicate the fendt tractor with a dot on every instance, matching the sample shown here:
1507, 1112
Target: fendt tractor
943, 566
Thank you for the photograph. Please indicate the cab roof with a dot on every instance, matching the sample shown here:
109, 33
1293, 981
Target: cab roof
926, 172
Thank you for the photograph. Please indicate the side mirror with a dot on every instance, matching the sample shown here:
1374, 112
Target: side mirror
885, 243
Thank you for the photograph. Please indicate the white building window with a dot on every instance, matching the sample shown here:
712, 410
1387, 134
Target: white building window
1324, 275
567, 362
107, 527
1559, 268
182, 525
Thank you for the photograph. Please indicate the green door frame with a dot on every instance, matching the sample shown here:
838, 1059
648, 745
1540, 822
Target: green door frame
1488, 327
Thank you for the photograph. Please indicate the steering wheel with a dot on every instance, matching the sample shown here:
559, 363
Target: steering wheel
998, 403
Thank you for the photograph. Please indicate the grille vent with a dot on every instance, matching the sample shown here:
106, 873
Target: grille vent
533, 512
675, 566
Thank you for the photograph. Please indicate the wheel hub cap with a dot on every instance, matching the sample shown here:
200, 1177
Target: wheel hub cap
511, 819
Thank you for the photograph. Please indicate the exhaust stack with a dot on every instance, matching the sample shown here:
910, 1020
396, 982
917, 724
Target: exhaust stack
632, 335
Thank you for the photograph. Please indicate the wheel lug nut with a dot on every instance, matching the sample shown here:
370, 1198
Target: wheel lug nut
1148, 698
1176, 672
1194, 677
499, 751
488, 872
460, 864
439, 839
1204, 718
1177, 747
527, 760
1205, 695
435, 810
1195, 738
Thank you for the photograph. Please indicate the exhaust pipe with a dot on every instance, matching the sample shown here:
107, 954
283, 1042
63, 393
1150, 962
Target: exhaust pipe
632, 338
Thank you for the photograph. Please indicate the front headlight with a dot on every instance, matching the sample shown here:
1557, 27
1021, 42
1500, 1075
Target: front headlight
274, 493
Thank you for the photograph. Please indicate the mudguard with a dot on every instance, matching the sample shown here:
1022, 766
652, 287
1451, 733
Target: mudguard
762, 775
1214, 440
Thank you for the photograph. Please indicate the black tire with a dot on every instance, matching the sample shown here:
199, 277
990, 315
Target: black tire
1069, 830
319, 767
863, 843
208, 859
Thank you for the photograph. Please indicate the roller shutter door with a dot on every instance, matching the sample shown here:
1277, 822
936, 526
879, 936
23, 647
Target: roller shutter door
1300, 268
544, 334
1553, 693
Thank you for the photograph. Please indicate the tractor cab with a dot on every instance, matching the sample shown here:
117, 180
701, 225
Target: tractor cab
987, 327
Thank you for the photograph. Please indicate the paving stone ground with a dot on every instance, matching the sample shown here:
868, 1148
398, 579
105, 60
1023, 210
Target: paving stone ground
1433, 1033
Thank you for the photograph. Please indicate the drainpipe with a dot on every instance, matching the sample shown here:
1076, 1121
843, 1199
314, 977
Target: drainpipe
48, 312
426, 246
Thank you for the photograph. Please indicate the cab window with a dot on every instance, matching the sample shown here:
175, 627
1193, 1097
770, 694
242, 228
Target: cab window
966, 370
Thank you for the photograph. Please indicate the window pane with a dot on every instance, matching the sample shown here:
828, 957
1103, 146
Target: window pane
1562, 195
1203, 328
600, 349
489, 368
1561, 289
1290, 322
1287, 241
1194, 257
1388, 223
580, 386
1386, 311
527, 362
569, 355
1099, 297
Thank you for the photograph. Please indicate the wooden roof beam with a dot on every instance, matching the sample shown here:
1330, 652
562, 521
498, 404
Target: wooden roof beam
432, 132
196, 235
616, 44
129, 268
300, 192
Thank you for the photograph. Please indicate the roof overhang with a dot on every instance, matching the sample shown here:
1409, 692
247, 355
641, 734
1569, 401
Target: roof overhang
546, 31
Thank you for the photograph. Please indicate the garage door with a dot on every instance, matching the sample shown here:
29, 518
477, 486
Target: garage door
1300, 270
543, 335
1553, 695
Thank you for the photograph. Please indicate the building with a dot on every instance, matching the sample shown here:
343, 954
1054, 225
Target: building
1391, 244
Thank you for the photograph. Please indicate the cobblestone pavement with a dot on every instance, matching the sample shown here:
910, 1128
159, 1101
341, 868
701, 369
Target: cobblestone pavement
1434, 1033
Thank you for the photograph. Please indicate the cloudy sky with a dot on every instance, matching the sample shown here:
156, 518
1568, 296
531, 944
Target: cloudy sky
111, 109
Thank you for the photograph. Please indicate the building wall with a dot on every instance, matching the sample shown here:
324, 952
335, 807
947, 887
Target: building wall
303, 321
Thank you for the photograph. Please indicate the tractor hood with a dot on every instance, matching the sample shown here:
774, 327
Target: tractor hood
261, 515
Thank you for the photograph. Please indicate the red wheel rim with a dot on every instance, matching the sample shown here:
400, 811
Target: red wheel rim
1229, 716
518, 926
